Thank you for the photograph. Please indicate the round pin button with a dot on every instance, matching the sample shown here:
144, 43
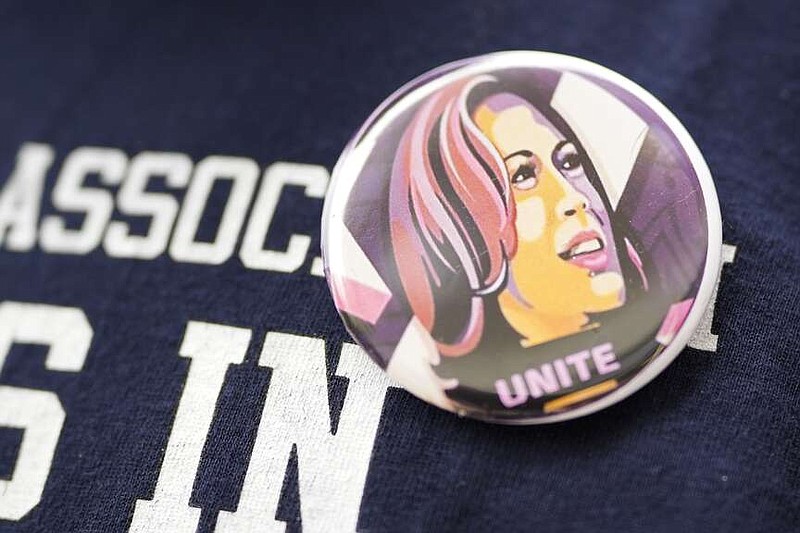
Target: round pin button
522, 237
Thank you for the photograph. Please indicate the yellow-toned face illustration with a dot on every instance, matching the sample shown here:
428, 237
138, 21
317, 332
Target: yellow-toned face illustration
565, 266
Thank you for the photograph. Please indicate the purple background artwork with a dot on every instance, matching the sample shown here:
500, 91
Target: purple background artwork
661, 210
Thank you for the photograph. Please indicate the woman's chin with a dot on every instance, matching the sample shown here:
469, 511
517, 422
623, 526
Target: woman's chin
608, 287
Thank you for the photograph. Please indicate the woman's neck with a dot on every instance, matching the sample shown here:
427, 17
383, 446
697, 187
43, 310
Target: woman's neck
536, 327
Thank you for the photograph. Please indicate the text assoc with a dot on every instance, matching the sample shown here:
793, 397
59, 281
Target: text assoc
124, 187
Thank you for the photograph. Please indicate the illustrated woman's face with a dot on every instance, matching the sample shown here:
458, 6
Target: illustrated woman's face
566, 261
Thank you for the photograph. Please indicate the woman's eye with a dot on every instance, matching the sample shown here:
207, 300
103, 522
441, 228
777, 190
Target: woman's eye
525, 177
567, 159
571, 162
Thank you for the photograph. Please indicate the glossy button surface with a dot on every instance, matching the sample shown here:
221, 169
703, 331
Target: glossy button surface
521, 237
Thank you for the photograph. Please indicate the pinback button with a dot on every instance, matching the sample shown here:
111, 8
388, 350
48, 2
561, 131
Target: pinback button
521, 237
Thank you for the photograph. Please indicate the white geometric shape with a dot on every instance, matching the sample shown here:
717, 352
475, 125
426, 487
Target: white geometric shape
592, 113
412, 364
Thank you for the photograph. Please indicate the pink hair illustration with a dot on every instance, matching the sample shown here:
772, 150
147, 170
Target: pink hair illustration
452, 218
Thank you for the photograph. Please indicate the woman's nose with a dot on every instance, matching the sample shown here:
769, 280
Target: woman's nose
572, 204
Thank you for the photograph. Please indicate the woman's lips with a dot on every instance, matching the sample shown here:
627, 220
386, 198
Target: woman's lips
586, 250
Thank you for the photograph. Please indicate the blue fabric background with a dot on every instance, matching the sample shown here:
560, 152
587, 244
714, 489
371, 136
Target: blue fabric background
711, 444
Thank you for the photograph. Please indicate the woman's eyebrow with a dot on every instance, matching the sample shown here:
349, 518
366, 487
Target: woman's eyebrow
526, 153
